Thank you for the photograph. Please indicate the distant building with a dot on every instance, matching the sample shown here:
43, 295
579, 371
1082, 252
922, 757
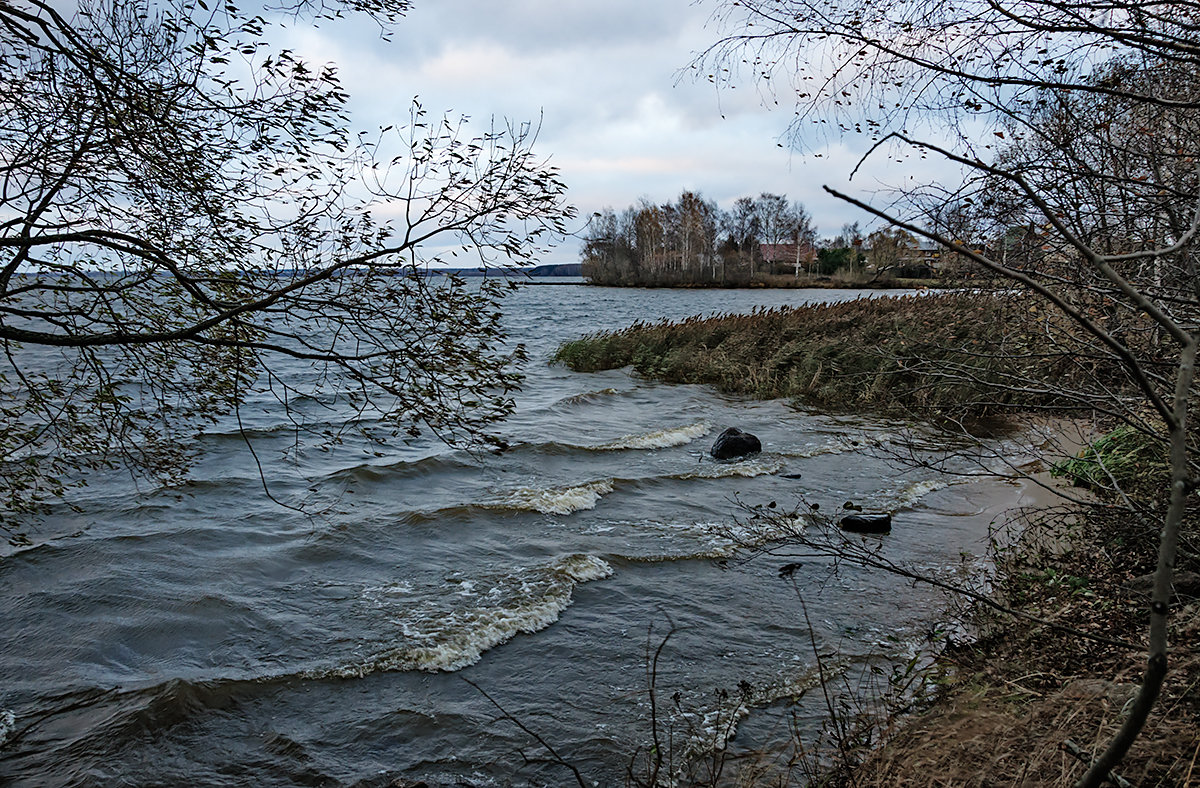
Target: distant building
917, 258
927, 253
795, 256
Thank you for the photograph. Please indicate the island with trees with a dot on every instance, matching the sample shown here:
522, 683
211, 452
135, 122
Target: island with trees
763, 241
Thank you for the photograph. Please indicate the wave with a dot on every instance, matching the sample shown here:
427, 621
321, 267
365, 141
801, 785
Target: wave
565, 500
544, 500
659, 439
656, 439
495, 610
910, 495
371, 472
760, 465
8, 725
900, 498
112, 716
712, 540
831, 447
554, 500
684, 541
490, 610
587, 396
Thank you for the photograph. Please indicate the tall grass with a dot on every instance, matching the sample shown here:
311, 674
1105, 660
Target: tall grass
1125, 457
962, 355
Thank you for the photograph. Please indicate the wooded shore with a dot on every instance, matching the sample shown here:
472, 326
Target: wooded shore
857, 281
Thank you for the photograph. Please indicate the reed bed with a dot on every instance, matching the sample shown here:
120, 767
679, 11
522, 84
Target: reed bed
962, 355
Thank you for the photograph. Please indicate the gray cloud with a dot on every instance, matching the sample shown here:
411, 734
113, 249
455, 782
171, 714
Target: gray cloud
605, 78
537, 26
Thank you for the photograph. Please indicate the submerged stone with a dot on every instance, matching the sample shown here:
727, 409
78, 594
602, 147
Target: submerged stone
866, 523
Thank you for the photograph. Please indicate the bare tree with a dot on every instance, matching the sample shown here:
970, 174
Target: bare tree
1074, 123
890, 247
654, 245
742, 232
182, 208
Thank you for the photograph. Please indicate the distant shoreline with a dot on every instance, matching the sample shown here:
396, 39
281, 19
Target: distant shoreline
800, 284
555, 274
818, 284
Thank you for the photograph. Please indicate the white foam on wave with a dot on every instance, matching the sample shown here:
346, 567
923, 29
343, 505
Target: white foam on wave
761, 465
914, 492
710, 731
659, 439
525, 600
832, 447
8, 724
751, 532
903, 496
556, 500
673, 540
402, 588
587, 396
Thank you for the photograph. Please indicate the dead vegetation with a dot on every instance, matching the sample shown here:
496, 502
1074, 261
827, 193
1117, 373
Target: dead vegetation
1024, 705
959, 355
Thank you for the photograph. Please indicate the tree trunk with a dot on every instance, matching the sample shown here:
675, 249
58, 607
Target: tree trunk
1160, 598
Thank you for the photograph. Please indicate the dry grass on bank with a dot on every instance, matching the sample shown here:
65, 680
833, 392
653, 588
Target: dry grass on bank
952, 354
982, 737
1008, 703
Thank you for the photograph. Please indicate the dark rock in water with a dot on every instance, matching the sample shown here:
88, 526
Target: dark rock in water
734, 443
867, 523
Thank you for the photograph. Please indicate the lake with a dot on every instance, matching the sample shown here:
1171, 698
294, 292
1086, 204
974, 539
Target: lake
204, 635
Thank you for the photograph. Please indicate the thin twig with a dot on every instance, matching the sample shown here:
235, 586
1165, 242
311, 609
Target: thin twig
1074, 749
554, 756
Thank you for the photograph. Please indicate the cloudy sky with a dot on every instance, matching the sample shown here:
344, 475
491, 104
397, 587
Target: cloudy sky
622, 117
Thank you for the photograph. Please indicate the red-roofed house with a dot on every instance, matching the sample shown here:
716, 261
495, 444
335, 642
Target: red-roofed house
799, 257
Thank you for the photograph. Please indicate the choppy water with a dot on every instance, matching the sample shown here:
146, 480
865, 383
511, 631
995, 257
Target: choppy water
206, 636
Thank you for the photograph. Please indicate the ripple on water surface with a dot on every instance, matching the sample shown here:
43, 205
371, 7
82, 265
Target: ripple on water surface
429, 559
